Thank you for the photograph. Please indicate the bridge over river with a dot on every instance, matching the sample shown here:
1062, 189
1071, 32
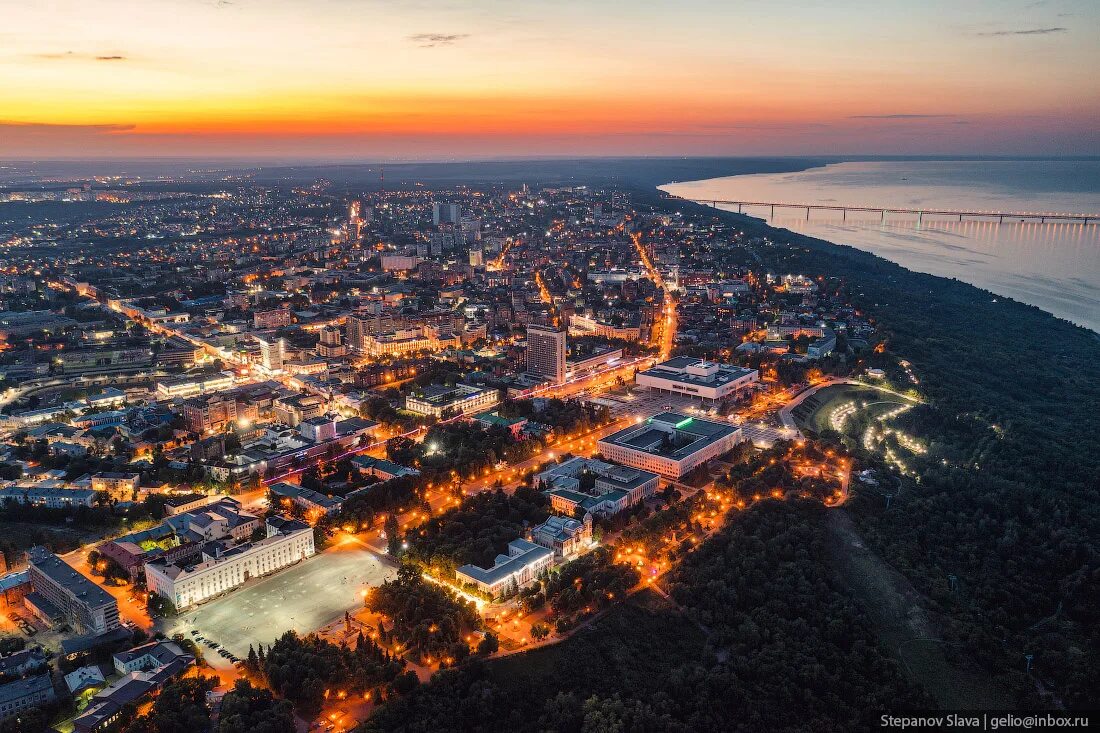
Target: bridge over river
883, 212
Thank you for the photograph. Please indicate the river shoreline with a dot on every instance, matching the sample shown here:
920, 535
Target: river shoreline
1055, 267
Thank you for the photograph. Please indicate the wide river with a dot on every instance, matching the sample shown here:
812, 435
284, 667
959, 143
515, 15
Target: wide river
1053, 266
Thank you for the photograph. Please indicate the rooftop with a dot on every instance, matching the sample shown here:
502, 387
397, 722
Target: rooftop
22, 688
57, 570
689, 370
670, 435
523, 553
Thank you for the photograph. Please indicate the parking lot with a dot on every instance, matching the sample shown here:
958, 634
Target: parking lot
303, 598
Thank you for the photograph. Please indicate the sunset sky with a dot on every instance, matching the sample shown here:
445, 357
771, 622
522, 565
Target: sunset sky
421, 79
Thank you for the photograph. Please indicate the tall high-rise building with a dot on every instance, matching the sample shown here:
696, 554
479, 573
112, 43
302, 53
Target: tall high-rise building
443, 213
358, 329
272, 354
355, 222
546, 352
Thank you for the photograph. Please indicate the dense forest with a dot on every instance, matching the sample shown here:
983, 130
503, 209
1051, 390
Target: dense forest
301, 668
476, 531
1008, 502
767, 639
429, 620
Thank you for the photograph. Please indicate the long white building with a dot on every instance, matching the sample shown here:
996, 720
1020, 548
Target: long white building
221, 570
707, 380
460, 399
670, 444
524, 563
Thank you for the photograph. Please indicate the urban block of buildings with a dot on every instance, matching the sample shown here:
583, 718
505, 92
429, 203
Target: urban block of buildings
686, 375
220, 569
613, 487
670, 443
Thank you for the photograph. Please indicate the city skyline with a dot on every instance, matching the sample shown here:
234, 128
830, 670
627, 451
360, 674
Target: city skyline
190, 78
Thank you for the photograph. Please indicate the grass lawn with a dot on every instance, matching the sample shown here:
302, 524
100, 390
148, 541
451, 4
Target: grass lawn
813, 415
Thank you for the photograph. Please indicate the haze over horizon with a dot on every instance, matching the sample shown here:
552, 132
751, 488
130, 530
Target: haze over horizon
491, 79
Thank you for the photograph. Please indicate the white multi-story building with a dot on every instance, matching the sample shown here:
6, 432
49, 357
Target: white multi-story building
272, 354
189, 386
221, 570
670, 444
48, 496
408, 340
462, 399
524, 563
693, 377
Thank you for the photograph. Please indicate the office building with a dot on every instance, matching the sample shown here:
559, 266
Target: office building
444, 213
272, 354
524, 563
60, 591
546, 352
188, 386
220, 570
331, 345
439, 400
355, 222
687, 375
670, 444
210, 413
613, 487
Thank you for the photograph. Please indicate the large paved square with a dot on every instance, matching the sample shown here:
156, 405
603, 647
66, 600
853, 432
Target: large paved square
303, 597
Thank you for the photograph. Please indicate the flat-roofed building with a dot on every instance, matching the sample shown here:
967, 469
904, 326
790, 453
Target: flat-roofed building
462, 399
117, 485
89, 608
170, 387
595, 360
693, 377
670, 444
48, 496
524, 563
220, 570
546, 352
210, 413
292, 409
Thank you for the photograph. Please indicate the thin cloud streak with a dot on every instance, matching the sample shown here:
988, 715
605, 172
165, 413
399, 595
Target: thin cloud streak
431, 40
34, 127
73, 56
899, 117
1026, 32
